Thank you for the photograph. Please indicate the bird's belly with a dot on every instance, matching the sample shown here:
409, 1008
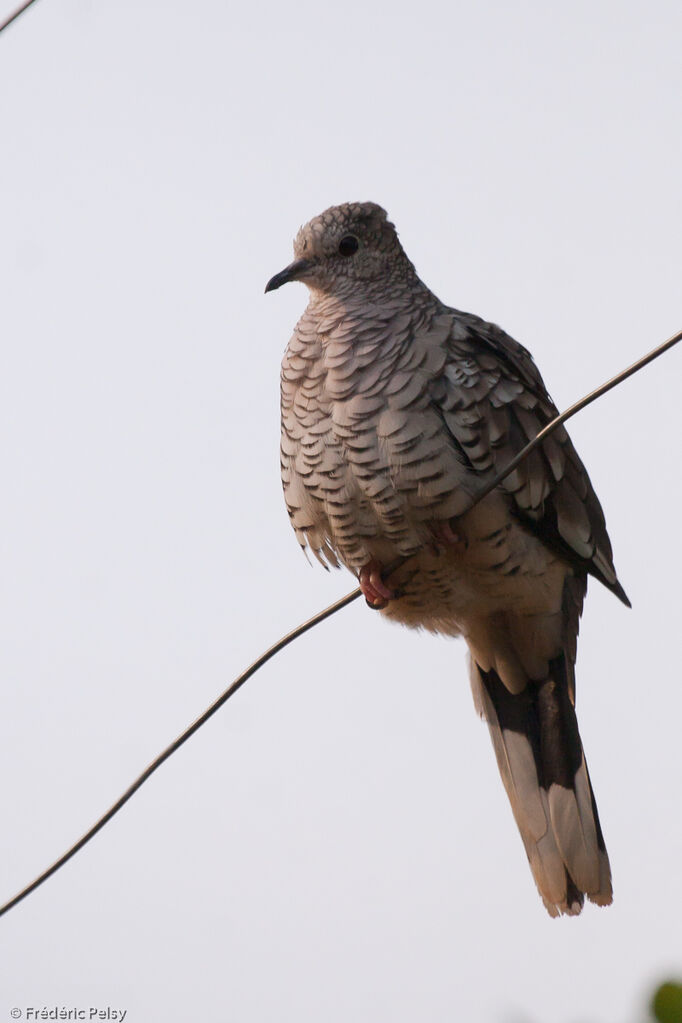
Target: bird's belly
363, 512
502, 568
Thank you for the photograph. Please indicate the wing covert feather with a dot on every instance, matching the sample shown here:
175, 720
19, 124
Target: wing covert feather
493, 401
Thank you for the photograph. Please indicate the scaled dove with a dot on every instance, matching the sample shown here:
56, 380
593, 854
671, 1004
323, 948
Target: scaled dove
395, 410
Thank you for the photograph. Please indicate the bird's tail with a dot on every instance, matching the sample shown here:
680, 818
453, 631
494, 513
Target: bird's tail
541, 760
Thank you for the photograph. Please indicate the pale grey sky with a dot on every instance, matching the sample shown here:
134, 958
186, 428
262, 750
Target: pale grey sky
337, 844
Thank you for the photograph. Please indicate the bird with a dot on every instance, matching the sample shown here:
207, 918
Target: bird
395, 410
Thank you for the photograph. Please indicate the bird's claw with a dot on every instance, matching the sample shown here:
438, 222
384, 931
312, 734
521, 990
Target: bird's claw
374, 589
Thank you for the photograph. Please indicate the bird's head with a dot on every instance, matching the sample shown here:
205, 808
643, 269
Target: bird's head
343, 248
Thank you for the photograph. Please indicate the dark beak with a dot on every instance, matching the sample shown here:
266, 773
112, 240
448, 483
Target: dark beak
290, 273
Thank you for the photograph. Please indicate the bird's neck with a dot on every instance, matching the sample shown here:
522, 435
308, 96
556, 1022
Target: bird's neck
368, 301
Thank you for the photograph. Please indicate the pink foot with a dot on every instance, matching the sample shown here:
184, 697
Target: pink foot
374, 589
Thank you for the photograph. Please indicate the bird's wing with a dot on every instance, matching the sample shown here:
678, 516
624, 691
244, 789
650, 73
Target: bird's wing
493, 401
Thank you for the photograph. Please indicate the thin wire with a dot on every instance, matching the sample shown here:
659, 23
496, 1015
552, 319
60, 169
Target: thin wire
181, 739
315, 620
13, 17
571, 411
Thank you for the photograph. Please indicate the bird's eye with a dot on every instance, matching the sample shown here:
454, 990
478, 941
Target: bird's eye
348, 245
